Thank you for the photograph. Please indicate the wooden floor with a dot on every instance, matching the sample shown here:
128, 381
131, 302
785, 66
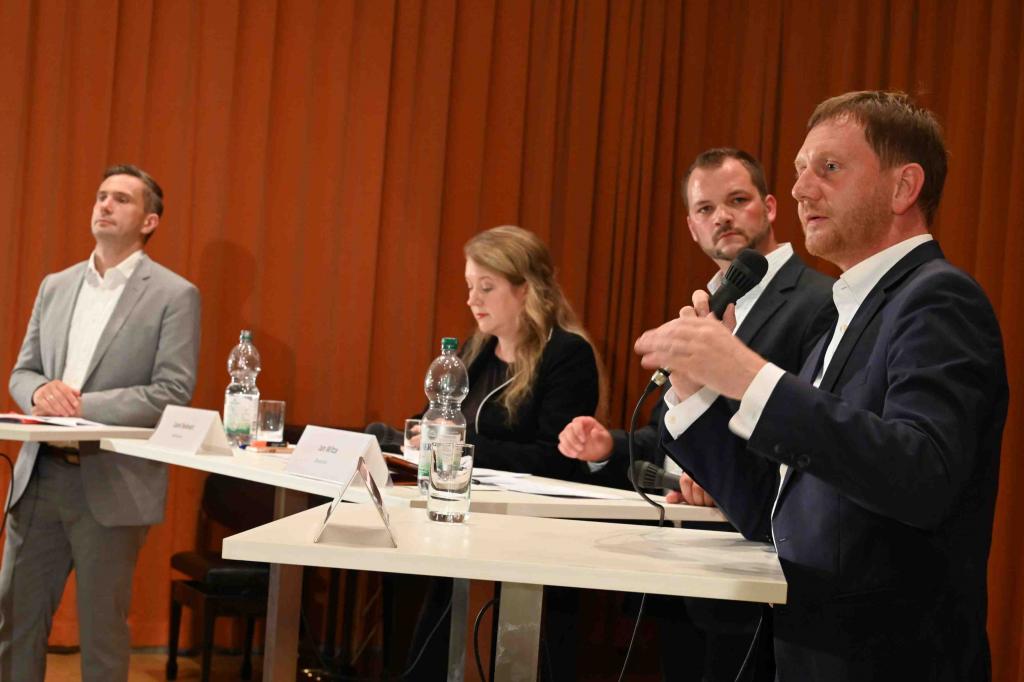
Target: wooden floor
151, 667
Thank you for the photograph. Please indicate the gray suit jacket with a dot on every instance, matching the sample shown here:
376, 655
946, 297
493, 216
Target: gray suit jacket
145, 360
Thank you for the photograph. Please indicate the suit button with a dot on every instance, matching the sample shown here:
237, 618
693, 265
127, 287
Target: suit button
802, 461
779, 449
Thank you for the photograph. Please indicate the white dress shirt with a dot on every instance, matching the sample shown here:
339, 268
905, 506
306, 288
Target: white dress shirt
682, 413
95, 304
848, 293
776, 259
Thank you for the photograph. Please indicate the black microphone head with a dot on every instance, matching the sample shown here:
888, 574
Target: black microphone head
645, 475
746, 270
636, 473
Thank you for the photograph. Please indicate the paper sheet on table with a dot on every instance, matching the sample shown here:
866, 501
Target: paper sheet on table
519, 484
13, 417
480, 472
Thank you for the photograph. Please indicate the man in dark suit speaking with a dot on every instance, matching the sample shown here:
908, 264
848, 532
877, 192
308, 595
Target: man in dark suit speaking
729, 209
888, 439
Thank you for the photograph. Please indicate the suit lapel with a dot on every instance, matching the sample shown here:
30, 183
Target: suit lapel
766, 305
851, 336
867, 311
771, 299
870, 307
64, 308
817, 356
807, 374
133, 290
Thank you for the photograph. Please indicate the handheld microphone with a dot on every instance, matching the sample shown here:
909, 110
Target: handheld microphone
653, 477
746, 272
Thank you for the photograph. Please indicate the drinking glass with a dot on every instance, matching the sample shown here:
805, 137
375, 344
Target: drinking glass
270, 424
410, 440
451, 473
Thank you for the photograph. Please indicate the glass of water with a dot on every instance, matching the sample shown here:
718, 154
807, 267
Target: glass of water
270, 424
451, 473
411, 440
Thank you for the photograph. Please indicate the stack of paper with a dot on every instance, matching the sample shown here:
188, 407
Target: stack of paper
525, 483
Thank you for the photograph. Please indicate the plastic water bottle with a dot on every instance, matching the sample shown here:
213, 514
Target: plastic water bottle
242, 398
446, 386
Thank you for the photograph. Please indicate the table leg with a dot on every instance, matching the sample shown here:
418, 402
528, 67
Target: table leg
518, 632
284, 599
457, 635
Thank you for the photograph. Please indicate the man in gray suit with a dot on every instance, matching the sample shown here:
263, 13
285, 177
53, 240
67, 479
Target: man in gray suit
113, 339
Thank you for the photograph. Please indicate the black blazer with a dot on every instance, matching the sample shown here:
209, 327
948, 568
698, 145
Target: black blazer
792, 313
565, 387
884, 522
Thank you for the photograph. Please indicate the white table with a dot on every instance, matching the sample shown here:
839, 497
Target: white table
524, 554
270, 469
627, 505
44, 432
285, 589
259, 468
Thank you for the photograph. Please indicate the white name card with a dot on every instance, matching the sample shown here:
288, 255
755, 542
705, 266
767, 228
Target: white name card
333, 455
191, 430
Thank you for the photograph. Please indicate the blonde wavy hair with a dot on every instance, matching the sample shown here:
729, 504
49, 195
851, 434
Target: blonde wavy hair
521, 257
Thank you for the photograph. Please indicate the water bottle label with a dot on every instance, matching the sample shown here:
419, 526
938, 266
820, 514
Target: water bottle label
451, 434
437, 433
240, 415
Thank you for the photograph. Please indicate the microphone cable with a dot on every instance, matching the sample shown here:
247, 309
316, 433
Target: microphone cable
385, 676
476, 638
753, 646
656, 382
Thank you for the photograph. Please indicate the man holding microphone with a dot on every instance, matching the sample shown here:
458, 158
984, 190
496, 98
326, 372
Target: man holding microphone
886, 442
729, 209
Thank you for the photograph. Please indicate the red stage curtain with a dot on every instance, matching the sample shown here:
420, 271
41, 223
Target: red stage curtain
325, 161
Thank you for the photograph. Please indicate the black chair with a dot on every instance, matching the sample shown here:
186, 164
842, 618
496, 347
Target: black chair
219, 587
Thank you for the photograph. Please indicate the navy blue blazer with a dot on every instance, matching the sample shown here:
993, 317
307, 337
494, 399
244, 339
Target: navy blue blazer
884, 521
791, 314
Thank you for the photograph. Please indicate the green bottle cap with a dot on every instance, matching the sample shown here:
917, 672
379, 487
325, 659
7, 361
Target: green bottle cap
449, 343
246, 335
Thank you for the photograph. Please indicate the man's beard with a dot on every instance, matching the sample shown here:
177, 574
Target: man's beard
753, 242
858, 227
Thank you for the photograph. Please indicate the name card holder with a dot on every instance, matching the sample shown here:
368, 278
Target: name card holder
331, 455
192, 431
362, 473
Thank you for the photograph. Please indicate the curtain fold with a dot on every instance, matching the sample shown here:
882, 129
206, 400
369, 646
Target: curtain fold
325, 160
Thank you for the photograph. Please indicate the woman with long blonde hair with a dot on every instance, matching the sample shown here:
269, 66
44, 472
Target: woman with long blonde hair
532, 370
532, 367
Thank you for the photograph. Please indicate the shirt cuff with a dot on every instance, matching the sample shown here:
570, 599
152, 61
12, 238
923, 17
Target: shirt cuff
754, 399
681, 414
597, 466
